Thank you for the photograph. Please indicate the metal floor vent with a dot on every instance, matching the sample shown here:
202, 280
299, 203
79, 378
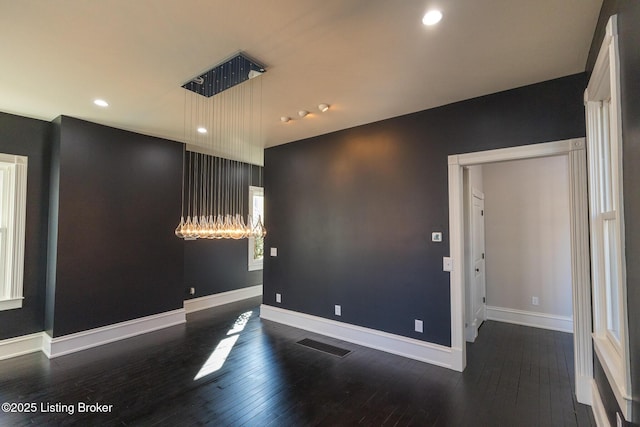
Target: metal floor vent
325, 348
225, 75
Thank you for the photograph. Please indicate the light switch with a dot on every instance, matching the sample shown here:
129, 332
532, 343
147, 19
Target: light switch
436, 236
274, 252
447, 263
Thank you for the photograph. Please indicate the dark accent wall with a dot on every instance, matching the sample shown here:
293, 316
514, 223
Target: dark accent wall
29, 137
214, 266
628, 12
116, 198
352, 212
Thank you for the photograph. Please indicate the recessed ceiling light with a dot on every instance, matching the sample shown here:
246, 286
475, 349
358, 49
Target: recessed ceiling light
285, 119
323, 107
432, 17
202, 130
101, 103
303, 113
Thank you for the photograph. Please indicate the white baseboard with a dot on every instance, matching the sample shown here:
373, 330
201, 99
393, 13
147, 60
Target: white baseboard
59, 346
222, 298
597, 407
18, 346
408, 347
530, 318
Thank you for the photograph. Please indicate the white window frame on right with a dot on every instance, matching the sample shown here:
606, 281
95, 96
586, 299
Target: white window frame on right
255, 263
13, 207
608, 266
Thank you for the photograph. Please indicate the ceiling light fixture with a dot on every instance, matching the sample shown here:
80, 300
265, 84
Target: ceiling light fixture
220, 105
285, 119
432, 17
101, 103
323, 107
303, 113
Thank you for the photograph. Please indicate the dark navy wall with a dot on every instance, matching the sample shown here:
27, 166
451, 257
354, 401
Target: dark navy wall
352, 212
628, 12
214, 266
117, 203
29, 137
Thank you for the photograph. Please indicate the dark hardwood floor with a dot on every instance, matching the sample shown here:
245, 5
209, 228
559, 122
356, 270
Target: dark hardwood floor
516, 376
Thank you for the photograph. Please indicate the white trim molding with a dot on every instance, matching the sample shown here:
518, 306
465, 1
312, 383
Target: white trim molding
66, 344
402, 346
222, 298
530, 318
599, 413
574, 149
18, 346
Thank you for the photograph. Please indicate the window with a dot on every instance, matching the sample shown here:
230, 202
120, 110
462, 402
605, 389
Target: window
13, 198
608, 269
256, 244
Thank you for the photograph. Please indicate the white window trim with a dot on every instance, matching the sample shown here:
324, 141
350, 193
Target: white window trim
253, 264
11, 295
604, 83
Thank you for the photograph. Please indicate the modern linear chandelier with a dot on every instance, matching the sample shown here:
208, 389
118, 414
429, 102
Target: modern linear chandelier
222, 125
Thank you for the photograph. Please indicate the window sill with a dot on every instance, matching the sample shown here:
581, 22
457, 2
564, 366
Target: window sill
11, 304
255, 266
614, 368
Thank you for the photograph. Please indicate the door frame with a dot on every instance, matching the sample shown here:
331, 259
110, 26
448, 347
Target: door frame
574, 150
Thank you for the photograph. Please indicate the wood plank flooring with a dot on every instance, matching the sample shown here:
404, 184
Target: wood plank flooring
516, 376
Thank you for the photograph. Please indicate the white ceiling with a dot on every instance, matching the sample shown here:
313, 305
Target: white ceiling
368, 59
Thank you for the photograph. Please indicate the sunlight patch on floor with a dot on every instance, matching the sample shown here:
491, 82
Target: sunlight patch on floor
224, 347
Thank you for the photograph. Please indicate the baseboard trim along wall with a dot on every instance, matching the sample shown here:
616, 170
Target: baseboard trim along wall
531, 318
597, 407
408, 347
59, 346
222, 298
18, 346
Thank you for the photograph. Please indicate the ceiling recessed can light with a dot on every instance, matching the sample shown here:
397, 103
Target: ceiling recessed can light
323, 107
432, 17
202, 130
285, 119
101, 103
303, 113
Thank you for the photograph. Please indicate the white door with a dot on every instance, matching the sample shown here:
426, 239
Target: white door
477, 285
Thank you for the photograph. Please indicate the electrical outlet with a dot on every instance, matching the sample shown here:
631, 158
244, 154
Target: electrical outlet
338, 310
192, 291
278, 298
418, 326
447, 263
535, 301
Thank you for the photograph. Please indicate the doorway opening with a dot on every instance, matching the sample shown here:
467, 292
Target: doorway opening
574, 150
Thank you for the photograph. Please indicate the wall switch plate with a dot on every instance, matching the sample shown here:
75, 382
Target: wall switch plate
278, 298
192, 291
535, 301
436, 236
338, 310
274, 252
447, 263
418, 325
